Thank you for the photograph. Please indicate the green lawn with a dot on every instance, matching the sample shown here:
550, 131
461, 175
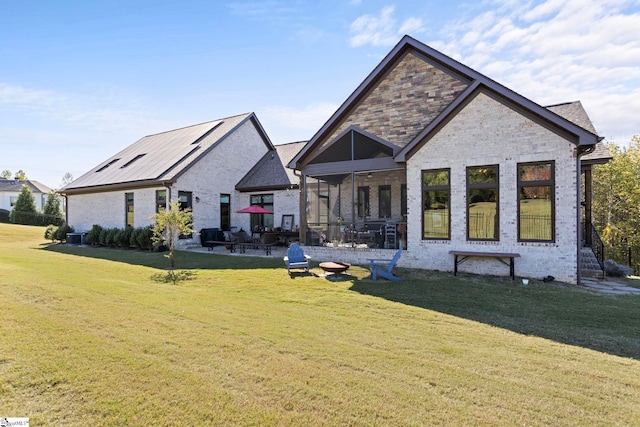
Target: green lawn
88, 337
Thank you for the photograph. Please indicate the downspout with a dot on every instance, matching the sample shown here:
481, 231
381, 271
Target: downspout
167, 185
581, 151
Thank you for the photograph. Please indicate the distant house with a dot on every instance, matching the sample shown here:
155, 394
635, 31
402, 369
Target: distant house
213, 168
431, 154
10, 189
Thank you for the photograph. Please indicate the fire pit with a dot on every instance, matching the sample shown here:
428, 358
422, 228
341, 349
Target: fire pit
334, 268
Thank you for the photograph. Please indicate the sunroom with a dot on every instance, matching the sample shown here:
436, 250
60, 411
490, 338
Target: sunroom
354, 194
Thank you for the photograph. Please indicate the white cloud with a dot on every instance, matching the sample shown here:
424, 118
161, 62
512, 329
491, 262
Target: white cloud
98, 111
383, 29
558, 50
287, 124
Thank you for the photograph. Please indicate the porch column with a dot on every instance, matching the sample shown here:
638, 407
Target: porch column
588, 200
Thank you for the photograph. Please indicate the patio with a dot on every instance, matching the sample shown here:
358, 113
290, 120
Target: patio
352, 255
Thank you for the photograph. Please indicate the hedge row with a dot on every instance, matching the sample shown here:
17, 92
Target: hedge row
138, 238
35, 218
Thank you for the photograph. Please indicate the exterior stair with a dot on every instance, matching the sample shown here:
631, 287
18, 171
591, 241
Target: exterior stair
589, 266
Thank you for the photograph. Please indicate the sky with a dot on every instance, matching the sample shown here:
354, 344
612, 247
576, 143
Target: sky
81, 80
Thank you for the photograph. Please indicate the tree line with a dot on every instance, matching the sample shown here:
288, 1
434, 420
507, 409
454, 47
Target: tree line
616, 204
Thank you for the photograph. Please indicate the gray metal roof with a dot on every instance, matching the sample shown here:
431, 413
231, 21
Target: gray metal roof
271, 173
14, 186
161, 157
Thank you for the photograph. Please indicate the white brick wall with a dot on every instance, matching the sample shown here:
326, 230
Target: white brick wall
107, 209
215, 174
218, 173
487, 132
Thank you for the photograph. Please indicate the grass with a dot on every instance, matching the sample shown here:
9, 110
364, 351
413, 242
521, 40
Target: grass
88, 337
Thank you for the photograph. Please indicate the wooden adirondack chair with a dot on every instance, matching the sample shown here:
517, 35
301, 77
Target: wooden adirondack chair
384, 267
296, 258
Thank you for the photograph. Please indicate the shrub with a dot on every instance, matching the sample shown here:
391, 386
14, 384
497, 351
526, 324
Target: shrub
112, 237
50, 232
144, 238
61, 232
93, 236
103, 236
124, 237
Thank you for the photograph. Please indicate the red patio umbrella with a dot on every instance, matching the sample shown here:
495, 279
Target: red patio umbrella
255, 209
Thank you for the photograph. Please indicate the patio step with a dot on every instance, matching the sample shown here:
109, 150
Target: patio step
589, 266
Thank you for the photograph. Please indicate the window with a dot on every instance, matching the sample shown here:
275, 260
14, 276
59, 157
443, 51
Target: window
536, 207
436, 194
13, 200
161, 200
482, 203
185, 199
262, 220
128, 201
363, 202
384, 201
225, 212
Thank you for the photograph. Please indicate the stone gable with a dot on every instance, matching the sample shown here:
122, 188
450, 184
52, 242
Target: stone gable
404, 101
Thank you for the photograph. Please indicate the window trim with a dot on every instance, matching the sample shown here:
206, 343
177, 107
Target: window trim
259, 220
158, 205
188, 204
129, 202
542, 183
435, 188
225, 227
484, 185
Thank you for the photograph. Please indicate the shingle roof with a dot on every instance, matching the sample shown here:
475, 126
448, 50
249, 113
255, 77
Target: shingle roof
14, 186
271, 173
160, 157
575, 113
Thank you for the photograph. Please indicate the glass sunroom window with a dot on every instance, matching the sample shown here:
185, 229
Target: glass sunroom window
482, 203
436, 196
128, 198
536, 207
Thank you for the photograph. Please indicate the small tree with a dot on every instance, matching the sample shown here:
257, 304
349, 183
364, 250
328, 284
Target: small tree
25, 203
21, 176
52, 205
67, 179
6, 174
169, 225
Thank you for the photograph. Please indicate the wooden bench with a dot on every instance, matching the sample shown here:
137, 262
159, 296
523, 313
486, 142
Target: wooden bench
231, 245
257, 245
461, 256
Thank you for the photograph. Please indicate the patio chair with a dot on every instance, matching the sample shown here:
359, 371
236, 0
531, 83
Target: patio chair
296, 258
384, 267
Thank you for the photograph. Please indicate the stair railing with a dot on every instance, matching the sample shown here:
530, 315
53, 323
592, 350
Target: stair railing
597, 246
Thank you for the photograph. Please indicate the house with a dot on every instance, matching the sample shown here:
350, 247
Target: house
213, 168
10, 190
431, 154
